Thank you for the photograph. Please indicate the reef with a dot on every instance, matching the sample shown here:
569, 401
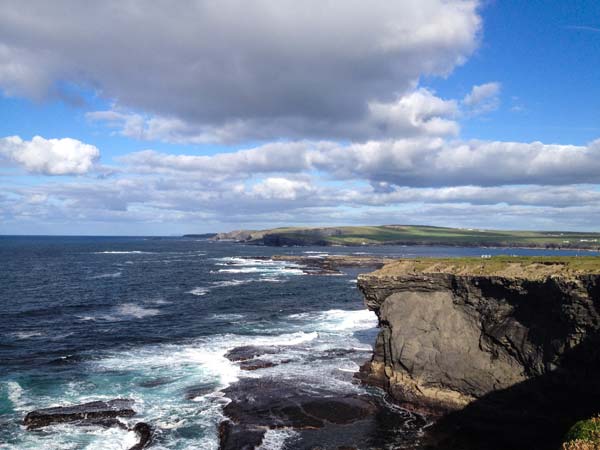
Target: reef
98, 413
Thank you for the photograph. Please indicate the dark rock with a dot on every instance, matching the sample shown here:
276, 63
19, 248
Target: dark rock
199, 390
85, 413
246, 352
255, 364
322, 419
235, 437
144, 432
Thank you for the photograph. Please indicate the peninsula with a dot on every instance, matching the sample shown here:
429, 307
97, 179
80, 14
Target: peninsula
413, 235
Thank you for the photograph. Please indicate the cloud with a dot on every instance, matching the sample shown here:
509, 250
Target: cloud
483, 98
224, 71
417, 162
49, 156
419, 113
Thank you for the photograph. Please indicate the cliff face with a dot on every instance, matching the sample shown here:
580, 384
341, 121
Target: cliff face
450, 337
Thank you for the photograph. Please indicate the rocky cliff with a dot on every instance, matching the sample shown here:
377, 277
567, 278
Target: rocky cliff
504, 336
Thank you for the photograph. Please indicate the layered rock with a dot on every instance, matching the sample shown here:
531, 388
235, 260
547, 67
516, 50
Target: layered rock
465, 332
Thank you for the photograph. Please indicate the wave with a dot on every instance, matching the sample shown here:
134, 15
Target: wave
26, 334
106, 275
126, 311
137, 311
122, 252
339, 320
198, 291
277, 439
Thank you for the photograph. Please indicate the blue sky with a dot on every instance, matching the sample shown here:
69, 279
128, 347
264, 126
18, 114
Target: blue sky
215, 117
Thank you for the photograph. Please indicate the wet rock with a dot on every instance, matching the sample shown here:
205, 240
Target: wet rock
85, 413
255, 364
144, 432
234, 437
322, 418
199, 390
246, 352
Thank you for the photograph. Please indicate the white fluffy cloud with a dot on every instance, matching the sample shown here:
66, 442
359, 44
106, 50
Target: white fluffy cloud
49, 156
418, 162
224, 71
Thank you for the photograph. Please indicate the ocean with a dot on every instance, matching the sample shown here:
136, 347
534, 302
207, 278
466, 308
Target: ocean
151, 319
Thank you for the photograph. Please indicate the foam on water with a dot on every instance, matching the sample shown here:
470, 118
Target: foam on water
72, 437
122, 252
339, 320
198, 291
107, 275
126, 311
277, 439
27, 334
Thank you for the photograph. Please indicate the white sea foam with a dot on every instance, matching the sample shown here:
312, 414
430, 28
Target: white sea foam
126, 311
198, 291
339, 320
15, 394
227, 316
227, 283
136, 311
27, 334
122, 252
107, 275
268, 267
277, 439
64, 436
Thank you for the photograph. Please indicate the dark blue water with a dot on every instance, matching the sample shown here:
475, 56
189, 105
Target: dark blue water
88, 318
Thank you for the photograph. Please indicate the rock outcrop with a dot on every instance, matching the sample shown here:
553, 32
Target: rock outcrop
98, 413
502, 337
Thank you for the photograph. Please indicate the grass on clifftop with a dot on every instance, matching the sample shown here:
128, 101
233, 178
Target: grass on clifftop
584, 435
530, 267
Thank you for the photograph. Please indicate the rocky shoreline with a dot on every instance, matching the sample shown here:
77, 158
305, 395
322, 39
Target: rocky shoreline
104, 414
330, 264
489, 349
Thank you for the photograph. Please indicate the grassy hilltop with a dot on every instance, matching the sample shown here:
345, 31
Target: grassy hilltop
414, 235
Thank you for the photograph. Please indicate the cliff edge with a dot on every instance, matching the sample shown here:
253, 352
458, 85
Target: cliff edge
489, 339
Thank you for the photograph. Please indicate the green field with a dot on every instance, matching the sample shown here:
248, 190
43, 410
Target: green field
531, 267
417, 235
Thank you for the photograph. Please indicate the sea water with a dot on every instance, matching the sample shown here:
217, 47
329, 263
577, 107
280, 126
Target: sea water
151, 319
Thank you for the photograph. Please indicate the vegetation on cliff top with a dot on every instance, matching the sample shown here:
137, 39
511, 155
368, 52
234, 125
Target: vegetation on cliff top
530, 267
584, 435
416, 235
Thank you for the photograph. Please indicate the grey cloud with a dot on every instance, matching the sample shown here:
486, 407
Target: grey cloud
233, 67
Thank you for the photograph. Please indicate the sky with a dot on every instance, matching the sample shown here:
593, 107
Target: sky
127, 117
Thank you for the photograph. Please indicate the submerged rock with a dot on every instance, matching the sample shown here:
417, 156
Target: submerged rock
91, 412
247, 352
320, 418
255, 364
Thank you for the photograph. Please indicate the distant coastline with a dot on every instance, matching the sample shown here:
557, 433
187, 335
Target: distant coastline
411, 235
